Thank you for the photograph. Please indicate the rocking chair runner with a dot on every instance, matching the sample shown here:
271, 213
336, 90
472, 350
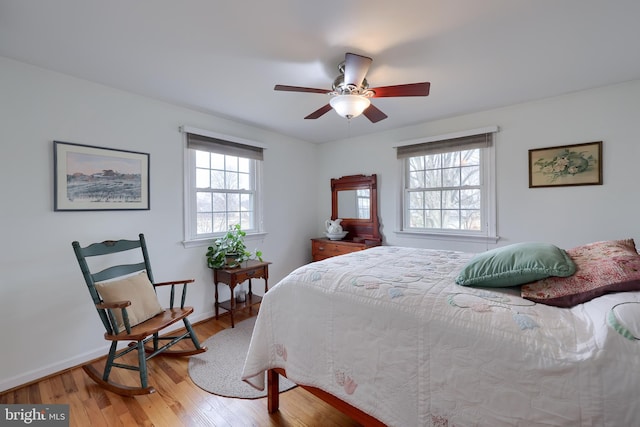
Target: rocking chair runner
129, 310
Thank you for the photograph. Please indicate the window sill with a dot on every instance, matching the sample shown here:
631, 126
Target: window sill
207, 242
448, 236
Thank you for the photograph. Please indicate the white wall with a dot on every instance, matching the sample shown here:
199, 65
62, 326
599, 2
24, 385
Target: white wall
48, 322
565, 216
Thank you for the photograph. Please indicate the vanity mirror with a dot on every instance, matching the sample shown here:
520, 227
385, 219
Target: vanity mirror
354, 200
354, 204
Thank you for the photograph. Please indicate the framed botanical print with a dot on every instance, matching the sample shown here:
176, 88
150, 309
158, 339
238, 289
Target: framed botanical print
578, 164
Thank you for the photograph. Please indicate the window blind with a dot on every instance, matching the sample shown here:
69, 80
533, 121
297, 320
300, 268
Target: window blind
469, 142
217, 145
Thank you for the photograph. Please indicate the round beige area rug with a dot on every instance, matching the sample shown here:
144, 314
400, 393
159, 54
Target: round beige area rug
219, 369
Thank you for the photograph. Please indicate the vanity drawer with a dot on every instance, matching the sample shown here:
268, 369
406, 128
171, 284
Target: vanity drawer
250, 274
323, 248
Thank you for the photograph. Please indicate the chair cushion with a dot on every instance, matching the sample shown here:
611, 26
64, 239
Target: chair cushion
516, 264
137, 289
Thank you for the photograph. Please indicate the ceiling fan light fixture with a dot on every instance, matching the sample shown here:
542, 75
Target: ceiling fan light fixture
349, 106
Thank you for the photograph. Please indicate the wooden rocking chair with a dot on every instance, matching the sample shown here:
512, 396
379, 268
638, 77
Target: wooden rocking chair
125, 298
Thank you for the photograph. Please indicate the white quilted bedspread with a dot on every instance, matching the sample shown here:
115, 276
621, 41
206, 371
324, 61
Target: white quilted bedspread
388, 331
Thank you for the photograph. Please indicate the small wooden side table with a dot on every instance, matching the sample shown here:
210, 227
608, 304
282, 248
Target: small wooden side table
235, 276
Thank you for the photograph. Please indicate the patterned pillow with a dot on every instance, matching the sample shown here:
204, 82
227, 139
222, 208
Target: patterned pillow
601, 267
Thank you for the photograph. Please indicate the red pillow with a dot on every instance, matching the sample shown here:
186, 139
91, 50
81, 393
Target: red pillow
601, 267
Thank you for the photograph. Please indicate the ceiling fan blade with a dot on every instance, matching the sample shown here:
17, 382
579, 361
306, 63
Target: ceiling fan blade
319, 112
300, 89
355, 68
411, 89
374, 114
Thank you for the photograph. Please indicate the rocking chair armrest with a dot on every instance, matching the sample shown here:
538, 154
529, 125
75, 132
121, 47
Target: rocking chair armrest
115, 304
173, 287
175, 282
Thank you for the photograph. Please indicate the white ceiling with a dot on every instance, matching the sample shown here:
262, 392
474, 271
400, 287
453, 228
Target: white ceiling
224, 57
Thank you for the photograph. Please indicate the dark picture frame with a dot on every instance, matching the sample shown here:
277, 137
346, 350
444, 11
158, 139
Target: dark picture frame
566, 165
89, 178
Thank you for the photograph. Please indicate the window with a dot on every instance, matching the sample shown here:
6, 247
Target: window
223, 185
448, 186
364, 203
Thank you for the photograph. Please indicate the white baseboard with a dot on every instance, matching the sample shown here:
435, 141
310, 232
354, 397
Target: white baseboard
54, 368
36, 374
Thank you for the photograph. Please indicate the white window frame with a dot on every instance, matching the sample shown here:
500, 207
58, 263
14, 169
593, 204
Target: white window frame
488, 233
190, 212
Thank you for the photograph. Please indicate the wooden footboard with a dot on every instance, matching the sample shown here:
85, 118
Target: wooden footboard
273, 399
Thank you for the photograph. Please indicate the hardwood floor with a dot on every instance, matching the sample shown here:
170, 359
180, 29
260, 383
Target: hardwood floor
177, 402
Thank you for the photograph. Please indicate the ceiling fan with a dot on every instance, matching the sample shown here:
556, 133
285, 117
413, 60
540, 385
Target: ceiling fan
350, 92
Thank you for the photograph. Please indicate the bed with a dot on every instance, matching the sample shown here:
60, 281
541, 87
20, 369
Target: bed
388, 336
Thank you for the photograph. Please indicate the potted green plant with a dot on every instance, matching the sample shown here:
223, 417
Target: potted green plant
230, 250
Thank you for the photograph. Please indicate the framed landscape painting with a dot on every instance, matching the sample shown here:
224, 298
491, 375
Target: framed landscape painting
578, 164
88, 178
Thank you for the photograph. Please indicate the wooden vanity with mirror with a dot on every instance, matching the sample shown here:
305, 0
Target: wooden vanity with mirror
354, 199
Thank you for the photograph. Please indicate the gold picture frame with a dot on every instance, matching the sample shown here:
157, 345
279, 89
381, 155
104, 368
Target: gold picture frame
566, 165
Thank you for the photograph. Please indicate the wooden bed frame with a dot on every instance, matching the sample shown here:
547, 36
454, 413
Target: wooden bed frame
273, 399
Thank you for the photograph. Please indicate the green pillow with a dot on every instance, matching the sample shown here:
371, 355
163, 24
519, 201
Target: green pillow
516, 264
